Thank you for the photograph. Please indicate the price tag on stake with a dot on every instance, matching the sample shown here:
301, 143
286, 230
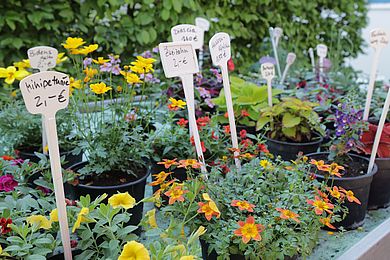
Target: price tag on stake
42, 57
289, 61
272, 34
278, 32
220, 52
188, 33
45, 93
268, 73
179, 60
202, 23
378, 40
313, 63
322, 51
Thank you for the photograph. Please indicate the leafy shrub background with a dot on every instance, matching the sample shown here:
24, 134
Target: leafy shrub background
129, 26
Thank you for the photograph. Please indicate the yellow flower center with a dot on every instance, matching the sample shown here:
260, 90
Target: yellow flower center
176, 193
243, 204
249, 230
320, 204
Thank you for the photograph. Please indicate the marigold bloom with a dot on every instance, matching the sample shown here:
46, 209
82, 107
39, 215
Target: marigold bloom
243, 205
123, 200
209, 209
226, 129
81, 217
134, 251
176, 104
334, 169
320, 165
24, 64
60, 58
131, 78
350, 196
265, 164
288, 214
85, 50
226, 115
89, 73
160, 178
323, 195
320, 205
335, 193
39, 221
11, 73
326, 222
7, 158
176, 194
73, 43
202, 122
249, 230
100, 60
168, 163
182, 122
54, 215
142, 65
244, 113
99, 88
262, 148
189, 163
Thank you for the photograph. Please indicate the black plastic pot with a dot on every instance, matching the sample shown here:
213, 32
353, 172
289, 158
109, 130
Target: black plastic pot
213, 255
135, 189
380, 186
70, 159
30, 182
359, 185
249, 129
288, 150
62, 257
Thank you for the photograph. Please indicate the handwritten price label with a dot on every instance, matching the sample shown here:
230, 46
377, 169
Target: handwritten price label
45, 92
42, 57
378, 38
291, 58
178, 58
322, 50
220, 49
278, 32
202, 23
267, 71
188, 33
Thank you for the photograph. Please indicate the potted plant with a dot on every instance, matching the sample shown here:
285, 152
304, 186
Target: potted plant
379, 193
292, 127
255, 212
350, 170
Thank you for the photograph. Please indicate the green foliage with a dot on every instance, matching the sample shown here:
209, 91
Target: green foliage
134, 25
291, 119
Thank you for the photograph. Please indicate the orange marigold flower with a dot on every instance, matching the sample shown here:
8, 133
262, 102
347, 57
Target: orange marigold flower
243, 205
209, 208
323, 195
326, 222
168, 163
262, 148
226, 129
247, 156
165, 185
288, 214
176, 194
334, 169
175, 104
244, 113
160, 178
202, 122
350, 196
249, 230
334, 192
234, 150
320, 205
182, 122
189, 163
7, 158
320, 165
226, 115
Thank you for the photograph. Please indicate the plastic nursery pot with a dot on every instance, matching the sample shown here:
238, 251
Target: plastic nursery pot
249, 129
359, 185
70, 158
380, 191
61, 255
135, 188
289, 150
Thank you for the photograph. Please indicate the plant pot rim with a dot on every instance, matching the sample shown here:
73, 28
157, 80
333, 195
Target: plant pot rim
92, 187
295, 144
364, 176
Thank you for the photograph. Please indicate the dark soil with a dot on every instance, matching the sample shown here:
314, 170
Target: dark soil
113, 178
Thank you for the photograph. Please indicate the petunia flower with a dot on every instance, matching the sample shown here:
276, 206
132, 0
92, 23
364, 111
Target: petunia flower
134, 251
122, 200
39, 221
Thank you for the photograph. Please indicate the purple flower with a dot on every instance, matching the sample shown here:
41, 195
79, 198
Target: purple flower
216, 74
204, 93
155, 49
150, 78
17, 162
340, 131
116, 70
87, 62
209, 102
106, 67
267, 59
114, 59
147, 54
7, 183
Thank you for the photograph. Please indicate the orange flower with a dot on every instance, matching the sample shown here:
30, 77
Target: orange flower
334, 192
323, 195
334, 169
226, 115
202, 122
176, 194
233, 150
168, 163
249, 230
326, 222
209, 208
226, 129
165, 185
243, 205
288, 214
247, 156
350, 196
189, 163
192, 141
244, 113
160, 178
320, 165
7, 158
320, 205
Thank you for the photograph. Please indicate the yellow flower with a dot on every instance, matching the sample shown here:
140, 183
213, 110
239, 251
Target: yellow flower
187, 257
99, 88
61, 57
39, 221
73, 43
100, 60
81, 217
13, 93
3, 253
89, 73
46, 149
119, 88
265, 164
176, 103
142, 65
131, 78
151, 214
86, 50
74, 83
124, 200
134, 251
54, 215
22, 64
10, 74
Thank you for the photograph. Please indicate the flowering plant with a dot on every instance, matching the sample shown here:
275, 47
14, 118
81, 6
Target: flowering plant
368, 137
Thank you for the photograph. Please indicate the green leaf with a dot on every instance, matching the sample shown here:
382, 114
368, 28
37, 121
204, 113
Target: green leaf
262, 122
164, 14
289, 132
289, 120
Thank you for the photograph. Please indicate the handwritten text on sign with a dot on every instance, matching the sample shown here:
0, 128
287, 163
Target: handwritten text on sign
378, 38
322, 50
42, 57
178, 58
45, 91
188, 33
220, 49
267, 71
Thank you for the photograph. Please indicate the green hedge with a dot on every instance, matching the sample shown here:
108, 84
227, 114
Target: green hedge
145, 23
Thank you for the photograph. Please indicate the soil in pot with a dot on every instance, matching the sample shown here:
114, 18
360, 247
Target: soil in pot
356, 179
62, 257
112, 183
380, 191
289, 150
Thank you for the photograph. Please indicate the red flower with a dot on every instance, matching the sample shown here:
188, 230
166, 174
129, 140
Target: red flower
301, 84
201, 143
262, 148
225, 169
73, 243
246, 143
202, 121
367, 141
213, 136
7, 183
182, 122
226, 129
243, 133
230, 64
226, 115
244, 113
4, 222
7, 158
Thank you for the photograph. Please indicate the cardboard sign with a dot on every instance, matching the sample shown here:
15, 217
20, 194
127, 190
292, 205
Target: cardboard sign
322, 50
188, 33
202, 23
220, 49
178, 58
267, 71
42, 57
378, 38
45, 92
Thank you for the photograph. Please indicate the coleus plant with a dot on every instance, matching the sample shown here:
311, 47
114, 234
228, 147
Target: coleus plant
368, 137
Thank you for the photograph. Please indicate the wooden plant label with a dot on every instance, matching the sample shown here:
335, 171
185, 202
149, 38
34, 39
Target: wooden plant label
289, 61
188, 33
42, 57
322, 51
268, 73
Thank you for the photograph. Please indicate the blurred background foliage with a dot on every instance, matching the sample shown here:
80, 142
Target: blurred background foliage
131, 26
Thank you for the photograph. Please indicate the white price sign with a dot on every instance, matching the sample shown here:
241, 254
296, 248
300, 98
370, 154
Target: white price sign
267, 71
378, 38
42, 57
291, 58
45, 92
178, 58
322, 50
220, 49
188, 33
202, 23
